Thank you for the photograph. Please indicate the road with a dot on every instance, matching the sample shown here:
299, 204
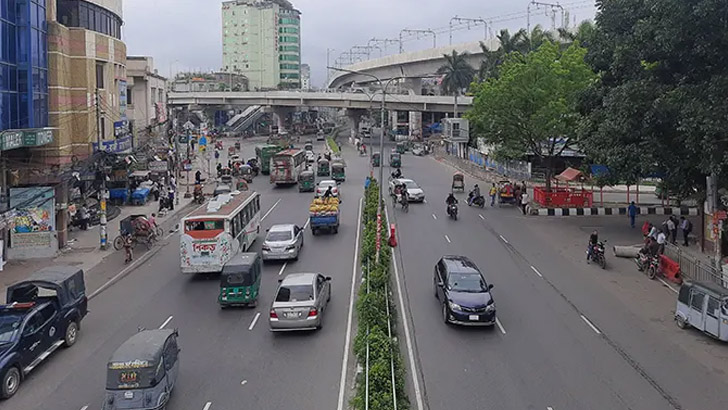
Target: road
229, 358
564, 341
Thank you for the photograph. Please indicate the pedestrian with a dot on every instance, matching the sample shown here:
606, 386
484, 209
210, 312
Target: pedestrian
173, 182
661, 239
671, 230
686, 226
171, 199
84, 217
632, 213
198, 177
493, 190
523, 186
524, 202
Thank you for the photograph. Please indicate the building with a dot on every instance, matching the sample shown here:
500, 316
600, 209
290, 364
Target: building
305, 77
146, 98
262, 40
205, 82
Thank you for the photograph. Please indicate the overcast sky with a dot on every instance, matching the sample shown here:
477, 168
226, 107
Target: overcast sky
186, 34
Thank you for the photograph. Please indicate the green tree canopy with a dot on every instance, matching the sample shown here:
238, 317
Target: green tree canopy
457, 73
531, 107
660, 105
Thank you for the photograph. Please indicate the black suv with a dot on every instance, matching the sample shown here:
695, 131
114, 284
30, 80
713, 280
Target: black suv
463, 292
33, 326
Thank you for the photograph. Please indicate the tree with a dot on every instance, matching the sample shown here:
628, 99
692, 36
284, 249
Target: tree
531, 107
583, 34
659, 105
532, 41
457, 73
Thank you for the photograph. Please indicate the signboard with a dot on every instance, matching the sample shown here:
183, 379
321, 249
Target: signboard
32, 240
158, 166
34, 209
721, 215
12, 139
122, 99
203, 140
121, 128
117, 146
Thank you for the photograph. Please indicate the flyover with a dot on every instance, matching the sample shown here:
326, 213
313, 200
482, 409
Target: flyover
413, 64
352, 101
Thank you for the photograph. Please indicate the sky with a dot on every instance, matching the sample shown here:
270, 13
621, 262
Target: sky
183, 35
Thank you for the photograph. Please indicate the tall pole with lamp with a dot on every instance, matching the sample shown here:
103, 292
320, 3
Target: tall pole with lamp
103, 236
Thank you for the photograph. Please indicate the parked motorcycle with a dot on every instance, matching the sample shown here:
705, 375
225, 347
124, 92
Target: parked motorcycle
597, 255
452, 211
650, 264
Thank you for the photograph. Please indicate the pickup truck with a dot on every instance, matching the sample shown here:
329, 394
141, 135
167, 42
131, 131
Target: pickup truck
324, 215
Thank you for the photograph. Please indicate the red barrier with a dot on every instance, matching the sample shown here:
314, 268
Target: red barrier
670, 269
392, 236
563, 197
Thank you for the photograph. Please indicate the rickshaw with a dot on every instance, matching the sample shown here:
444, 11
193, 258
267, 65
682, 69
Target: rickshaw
241, 185
129, 226
307, 181
704, 306
323, 168
240, 281
506, 193
458, 182
395, 160
246, 173
338, 171
401, 147
308, 146
142, 372
375, 159
226, 179
231, 150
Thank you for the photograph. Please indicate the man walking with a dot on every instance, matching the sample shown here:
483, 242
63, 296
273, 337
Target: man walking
686, 226
671, 230
632, 212
492, 192
524, 202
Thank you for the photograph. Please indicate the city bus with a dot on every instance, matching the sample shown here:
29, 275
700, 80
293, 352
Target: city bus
286, 165
264, 154
218, 230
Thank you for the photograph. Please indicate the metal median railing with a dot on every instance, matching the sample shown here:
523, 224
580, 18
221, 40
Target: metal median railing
694, 267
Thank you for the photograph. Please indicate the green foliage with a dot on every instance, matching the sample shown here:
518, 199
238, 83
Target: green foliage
660, 104
371, 308
532, 104
332, 145
457, 73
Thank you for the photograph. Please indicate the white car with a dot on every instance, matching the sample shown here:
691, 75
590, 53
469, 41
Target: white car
322, 186
283, 242
414, 192
310, 156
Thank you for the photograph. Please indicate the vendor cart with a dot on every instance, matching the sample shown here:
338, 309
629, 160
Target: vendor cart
506, 193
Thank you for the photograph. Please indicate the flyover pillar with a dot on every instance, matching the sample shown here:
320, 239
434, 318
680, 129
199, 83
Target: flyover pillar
280, 114
353, 120
414, 86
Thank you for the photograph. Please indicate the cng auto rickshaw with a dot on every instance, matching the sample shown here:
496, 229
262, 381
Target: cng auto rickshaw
401, 147
323, 168
240, 280
246, 173
306, 181
458, 182
308, 146
506, 193
338, 172
395, 160
142, 372
375, 159
704, 306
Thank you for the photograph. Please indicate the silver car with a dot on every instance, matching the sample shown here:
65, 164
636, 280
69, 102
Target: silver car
414, 192
283, 242
300, 303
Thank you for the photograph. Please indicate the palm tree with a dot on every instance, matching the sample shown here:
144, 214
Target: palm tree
457, 75
537, 37
510, 43
583, 33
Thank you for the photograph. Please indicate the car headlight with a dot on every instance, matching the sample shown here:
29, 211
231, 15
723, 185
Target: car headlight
454, 306
490, 308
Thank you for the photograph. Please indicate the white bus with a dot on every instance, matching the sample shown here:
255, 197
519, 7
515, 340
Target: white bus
218, 230
286, 165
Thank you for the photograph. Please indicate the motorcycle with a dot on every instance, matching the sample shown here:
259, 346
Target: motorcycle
452, 211
650, 264
477, 201
404, 202
598, 255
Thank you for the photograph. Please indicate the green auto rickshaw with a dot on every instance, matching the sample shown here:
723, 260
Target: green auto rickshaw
401, 147
338, 171
306, 181
395, 160
323, 168
375, 159
240, 280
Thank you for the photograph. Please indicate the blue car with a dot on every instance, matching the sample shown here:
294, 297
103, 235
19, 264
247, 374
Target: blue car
463, 292
32, 326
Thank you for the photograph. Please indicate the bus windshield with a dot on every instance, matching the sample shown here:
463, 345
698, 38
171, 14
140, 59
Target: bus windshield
211, 225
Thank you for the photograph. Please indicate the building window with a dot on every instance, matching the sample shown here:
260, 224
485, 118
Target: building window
100, 75
286, 66
288, 57
289, 20
84, 14
288, 39
289, 76
289, 30
288, 48
129, 97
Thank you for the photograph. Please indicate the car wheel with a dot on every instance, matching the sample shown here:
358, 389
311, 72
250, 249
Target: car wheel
444, 314
11, 382
681, 323
71, 334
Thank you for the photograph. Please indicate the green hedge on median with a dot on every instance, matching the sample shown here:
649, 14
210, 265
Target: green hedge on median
371, 310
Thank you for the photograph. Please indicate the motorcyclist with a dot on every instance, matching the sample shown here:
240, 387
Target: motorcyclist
450, 201
397, 173
593, 241
197, 191
474, 194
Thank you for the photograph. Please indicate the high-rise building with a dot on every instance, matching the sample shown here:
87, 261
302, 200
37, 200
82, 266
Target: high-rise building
305, 77
262, 40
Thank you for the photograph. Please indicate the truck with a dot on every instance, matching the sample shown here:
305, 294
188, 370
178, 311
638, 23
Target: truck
324, 215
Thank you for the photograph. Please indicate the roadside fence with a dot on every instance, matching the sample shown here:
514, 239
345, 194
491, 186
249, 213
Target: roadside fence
478, 163
696, 268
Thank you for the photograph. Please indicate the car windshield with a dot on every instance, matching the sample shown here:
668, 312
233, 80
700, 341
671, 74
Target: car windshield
326, 185
9, 326
411, 185
294, 293
279, 236
466, 282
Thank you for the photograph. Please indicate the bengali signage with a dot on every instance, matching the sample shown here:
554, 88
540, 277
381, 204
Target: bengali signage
12, 139
121, 128
157, 166
32, 240
116, 146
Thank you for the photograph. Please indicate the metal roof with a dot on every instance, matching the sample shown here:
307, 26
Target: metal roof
224, 210
145, 346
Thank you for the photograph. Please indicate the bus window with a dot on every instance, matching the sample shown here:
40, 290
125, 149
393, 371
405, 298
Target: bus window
204, 225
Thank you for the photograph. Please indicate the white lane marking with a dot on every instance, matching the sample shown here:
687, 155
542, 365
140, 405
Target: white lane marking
549, 408
447, 238
667, 285
271, 209
408, 337
207, 405
255, 320
504, 239
243, 383
308, 221
481, 217
500, 326
591, 325
84, 407
166, 322
347, 341
280, 272
537, 272
434, 216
